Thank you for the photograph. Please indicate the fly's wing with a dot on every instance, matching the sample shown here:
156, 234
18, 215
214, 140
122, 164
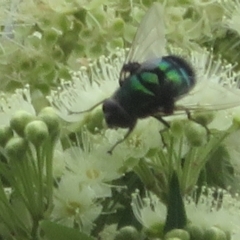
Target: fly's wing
212, 96
149, 41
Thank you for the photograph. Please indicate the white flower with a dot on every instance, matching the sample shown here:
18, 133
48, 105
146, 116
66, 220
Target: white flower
94, 169
75, 204
145, 137
88, 87
221, 211
148, 211
215, 208
109, 232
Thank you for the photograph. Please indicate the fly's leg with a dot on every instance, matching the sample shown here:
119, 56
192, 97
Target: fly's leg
167, 126
121, 140
88, 110
189, 116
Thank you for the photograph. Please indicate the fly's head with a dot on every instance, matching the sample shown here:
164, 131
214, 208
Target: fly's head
116, 116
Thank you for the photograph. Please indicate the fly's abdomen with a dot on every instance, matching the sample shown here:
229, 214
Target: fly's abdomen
178, 73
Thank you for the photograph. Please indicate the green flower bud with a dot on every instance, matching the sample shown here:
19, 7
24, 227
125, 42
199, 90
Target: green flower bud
80, 14
19, 120
57, 53
61, 22
86, 35
204, 118
195, 133
236, 121
94, 120
16, 148
26, 63
174, 238
115, 43
129, 32
196, 232
44, 67
34, 40
79, 49
63, 73
214, 233
96, 50
155, 231
51, 36
36, 132
49, 116
117, 26
128, 232
96, 15
177, 127
178, 234
5, 134
147, 3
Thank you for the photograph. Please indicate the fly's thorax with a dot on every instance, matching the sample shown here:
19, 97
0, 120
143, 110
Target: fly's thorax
116, 116
127, 70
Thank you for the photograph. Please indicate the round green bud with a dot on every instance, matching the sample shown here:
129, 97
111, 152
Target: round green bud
129, 32
80, 14
94, 120
177, 233
236, 121
51, 119
5, 134
44, 66
214, 233
16, 148
196, 232
195, 133
61, 22
19, 121
117, 26
174, 238
115, 43
79, 48
177, 127
51, 36
34, 40
26, 64
146, 3
128, 232
36, 132
204, 118
86, 35
96, 50
57, 53
155, 231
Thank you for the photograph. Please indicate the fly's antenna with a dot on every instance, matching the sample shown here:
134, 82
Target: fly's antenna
121, 140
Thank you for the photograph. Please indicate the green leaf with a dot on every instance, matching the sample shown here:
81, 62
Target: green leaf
176, 213
56, 231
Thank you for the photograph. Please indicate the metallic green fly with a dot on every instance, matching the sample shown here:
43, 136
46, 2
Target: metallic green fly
150, 83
